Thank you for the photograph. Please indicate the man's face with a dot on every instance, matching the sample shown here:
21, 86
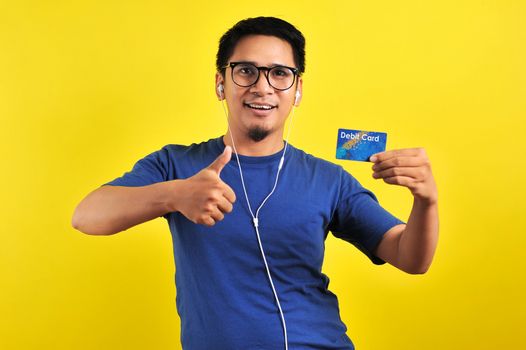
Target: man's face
246, 105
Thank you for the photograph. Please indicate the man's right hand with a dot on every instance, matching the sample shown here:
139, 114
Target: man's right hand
204, 198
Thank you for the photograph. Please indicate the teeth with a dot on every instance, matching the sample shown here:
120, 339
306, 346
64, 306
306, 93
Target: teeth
264, 107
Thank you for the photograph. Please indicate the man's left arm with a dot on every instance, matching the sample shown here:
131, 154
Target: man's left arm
410, 247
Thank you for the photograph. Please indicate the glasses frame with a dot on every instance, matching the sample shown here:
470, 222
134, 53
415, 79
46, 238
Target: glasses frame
232, 65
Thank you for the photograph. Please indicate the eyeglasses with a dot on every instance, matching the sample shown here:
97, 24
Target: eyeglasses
246, 74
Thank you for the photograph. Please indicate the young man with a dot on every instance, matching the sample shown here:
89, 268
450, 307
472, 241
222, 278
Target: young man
249, 270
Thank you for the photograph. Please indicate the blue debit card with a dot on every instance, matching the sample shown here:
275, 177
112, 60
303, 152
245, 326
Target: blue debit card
359, 144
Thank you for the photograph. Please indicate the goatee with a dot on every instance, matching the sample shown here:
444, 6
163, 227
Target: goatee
257, 134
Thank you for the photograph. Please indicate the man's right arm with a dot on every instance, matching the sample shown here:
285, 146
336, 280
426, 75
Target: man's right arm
112, 209
203, 198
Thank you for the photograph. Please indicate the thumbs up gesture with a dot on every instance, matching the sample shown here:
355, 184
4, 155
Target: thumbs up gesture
204, 198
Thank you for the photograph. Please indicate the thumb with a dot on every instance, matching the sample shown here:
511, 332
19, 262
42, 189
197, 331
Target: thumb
221, 161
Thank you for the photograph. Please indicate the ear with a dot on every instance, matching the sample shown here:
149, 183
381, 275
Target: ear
219, 81
299, 89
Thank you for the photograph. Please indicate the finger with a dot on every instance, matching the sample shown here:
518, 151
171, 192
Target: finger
208, 221
415, 173
217, 215
220, 162
400, 181
407, 152
224, 205
399, 162
229, 194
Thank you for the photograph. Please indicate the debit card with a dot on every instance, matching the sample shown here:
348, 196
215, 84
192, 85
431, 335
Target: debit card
359, 144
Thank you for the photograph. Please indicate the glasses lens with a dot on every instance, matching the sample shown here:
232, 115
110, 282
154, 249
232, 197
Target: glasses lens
245, 74
281, 78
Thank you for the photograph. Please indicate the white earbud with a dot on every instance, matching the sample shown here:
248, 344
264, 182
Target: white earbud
297, 97
220, 90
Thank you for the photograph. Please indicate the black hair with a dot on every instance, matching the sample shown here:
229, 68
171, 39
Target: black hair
261, 26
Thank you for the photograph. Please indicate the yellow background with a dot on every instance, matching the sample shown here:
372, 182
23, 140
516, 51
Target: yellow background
89, 87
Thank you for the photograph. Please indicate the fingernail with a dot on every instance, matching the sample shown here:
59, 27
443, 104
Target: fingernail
373, 158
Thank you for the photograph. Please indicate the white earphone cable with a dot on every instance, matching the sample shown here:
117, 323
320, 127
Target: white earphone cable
255, 218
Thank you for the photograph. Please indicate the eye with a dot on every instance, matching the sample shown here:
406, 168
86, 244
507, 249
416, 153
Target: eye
281, 72
245, 70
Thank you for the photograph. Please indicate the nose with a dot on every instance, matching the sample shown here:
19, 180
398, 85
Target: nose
262, 86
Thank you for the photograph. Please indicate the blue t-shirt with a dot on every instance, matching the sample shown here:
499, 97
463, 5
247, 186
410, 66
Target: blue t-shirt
224, 298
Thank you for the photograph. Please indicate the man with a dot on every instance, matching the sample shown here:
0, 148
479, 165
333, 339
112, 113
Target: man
249, 270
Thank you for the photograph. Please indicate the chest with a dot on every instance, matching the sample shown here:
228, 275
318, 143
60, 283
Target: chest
293, 221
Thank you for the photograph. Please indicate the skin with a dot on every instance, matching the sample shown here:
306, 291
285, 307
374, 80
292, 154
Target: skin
410, 247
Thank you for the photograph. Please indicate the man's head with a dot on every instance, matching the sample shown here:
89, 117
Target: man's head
270, 26
259, 66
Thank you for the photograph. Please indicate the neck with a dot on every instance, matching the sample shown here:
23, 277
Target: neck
245, 146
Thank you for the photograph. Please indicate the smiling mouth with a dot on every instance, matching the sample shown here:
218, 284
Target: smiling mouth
260, 107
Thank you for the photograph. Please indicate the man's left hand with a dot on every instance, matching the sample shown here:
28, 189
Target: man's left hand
408, 167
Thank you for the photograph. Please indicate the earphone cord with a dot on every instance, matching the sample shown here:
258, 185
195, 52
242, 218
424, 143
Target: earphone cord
255, 218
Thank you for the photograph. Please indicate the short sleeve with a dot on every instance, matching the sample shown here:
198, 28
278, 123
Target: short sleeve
147, 171
359, 218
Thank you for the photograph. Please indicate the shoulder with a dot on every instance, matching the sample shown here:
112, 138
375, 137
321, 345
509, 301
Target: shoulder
318, 172
171, 152
325, 172
316, 164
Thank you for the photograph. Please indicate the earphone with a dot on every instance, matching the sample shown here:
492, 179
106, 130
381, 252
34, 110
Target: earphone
297, 97
255, 217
